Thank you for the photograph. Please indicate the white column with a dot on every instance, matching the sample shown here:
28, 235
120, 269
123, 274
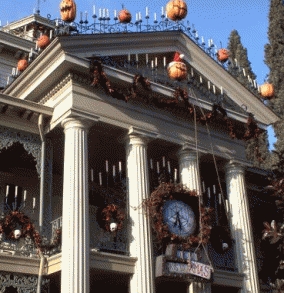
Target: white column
189, 174
140, 246
75, 217
241, 227
189, 168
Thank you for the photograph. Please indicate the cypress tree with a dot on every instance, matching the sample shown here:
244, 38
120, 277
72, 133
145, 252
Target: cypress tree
274, 58
257, 149
239, 53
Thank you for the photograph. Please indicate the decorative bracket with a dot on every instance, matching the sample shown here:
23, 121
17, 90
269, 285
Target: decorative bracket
30, 142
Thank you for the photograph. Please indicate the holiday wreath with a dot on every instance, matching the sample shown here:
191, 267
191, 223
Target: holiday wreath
16, 219
154, 209
112, 213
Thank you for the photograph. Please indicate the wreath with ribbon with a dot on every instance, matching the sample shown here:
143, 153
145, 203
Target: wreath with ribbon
154, 209
16, 219
112, 213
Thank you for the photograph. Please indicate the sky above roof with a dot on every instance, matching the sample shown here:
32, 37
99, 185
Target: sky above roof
213, 19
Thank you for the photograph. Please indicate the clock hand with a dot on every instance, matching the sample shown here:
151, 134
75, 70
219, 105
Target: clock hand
178, 220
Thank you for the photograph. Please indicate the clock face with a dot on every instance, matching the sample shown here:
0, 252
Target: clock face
179, 217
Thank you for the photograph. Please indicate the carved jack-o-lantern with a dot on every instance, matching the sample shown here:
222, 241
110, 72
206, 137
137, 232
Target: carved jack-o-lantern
68, 10
177, 70
43, 41
222, 55
267, 90
124, 16
22, 64
176, 10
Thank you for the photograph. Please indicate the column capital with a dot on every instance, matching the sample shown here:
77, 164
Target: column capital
233, 167
187, 151
76, 122
140, 136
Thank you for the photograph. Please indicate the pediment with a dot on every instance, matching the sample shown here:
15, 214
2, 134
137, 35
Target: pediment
125, 55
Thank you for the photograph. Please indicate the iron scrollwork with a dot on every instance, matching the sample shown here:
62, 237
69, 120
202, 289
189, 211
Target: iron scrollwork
23, 283
30, 142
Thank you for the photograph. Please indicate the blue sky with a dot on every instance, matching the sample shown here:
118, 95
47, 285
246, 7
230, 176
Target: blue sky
213, 19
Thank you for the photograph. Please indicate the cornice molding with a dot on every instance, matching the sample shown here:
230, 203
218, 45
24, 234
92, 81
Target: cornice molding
11, 41
17, 264
27, 105
98, 260
155, 42
65, 54
56, 88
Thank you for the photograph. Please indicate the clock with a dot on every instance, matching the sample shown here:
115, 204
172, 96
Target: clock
179, 218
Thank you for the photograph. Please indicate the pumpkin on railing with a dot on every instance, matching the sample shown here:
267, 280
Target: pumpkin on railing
177, 68
43, 41
124, 16
223, 55
68, 10
22, 64
176, 10
267, 90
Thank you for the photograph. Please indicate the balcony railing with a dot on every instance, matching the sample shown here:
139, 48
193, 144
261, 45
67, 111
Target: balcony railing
101, 240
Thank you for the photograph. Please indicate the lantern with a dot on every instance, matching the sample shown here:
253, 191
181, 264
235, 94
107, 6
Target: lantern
222, 55
267, 90
68, 10
176, 10
124, 16
22, 64
43, 41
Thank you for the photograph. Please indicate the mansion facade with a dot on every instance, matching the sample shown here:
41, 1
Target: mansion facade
90, 130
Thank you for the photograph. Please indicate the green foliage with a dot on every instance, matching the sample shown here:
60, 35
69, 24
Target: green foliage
257, 148
257, 151
239, 52
274, 58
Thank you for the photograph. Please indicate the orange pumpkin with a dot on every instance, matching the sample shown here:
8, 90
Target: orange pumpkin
68, 10
222, 55
43, 41
177, 70
176, 10
267, 90
22, 64
124, 16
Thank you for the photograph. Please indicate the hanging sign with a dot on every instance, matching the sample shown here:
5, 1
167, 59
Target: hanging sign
172, 268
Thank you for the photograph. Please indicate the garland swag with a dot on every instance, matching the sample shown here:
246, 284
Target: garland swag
180, 96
